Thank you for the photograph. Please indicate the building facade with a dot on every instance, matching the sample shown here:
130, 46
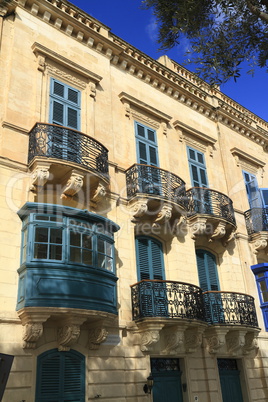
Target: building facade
134, 221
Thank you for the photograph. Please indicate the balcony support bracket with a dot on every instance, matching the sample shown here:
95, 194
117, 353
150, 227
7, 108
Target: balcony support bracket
96, 336
39, 176
74, 184
150, 335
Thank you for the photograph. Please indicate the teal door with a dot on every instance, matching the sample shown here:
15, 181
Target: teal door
230, 380
167, 380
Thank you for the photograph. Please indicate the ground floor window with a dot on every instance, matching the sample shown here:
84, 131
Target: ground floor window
60, 376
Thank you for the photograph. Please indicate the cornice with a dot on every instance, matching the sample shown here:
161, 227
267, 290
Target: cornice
195, 133
175, 81
241, 155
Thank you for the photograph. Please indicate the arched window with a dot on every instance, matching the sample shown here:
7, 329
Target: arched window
149, 255
207, 271
60, 376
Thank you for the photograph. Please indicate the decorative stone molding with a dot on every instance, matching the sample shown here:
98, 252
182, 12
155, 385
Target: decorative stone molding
181, 226
198, 226
247, 161
32, 332
215, 339
68, 336
74, 185
140, 208
96, 336
259, 242
193, 338
164, 215
148, 339
219, 231
99, 194
251, 342
39, 176
174, 341
235, 341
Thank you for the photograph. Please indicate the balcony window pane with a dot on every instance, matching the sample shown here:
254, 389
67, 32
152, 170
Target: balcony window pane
87, 257
87, 241
56, 236
109, 264
55, 252
41, 235
40, 251
75, 254
101, 246
101, 261
75, 239
263, 291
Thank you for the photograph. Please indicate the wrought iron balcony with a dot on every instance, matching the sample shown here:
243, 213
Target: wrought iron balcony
167, 299
151, 180
256, 220
230, 308
205, 201
53, 141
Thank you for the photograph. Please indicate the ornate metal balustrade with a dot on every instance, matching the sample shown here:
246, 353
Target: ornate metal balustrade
156, 298
210, 202
230, 309
151, 180
53, 141
256, 220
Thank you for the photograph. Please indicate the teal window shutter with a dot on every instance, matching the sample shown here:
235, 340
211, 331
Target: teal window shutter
147, 153
64, 105
197, 167
253, 191
60, 377
207, 271
149, 254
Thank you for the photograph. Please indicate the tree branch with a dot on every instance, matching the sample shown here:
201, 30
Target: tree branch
256, 11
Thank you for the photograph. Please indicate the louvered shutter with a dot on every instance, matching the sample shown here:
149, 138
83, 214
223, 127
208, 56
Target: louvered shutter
149, 258
157, 260
207, 271
143, 262
197, 168
60, 377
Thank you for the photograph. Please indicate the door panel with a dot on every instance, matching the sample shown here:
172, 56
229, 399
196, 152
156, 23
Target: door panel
230, 380
167, 388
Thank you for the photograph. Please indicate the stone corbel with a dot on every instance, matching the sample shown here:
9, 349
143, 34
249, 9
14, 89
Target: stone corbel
251, 342
259, 244
150, 335
235, 341
174, 340
227, 239
181, 226
67, 336
99, 194
164, 215
193, 339
198, 227
39, 177
215, 340
140, 208
96, 336
219, 232
32, 328
73, 186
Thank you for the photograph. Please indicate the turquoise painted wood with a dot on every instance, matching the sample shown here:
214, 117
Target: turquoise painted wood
230, 386
167, 387
60, 377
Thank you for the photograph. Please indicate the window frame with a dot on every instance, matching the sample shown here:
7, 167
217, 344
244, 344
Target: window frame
199, 166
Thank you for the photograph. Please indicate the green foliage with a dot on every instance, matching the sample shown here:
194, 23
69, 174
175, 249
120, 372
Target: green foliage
221, 33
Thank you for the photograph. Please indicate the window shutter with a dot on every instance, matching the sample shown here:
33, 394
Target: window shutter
57, 113
207, 271
146, 145
60, 377
72, 120
143, 265
253, 192
197, 167
157, 260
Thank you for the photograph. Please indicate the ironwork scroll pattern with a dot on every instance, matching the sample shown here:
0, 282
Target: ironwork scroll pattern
230, 308
58, 142
203, 200
152, 180
256, 220
167, 299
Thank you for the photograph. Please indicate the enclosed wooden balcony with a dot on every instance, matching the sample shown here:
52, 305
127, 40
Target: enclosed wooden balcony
155, 193
210, 213
62, 156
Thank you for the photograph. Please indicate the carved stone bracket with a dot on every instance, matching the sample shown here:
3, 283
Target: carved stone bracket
259, 242
181, 226
193, 338
164, 215
219, 231
96, 336
174, 340
32, 327
68, 336
251, 342
140, 208
198, 227
73, 185
215, 339
99, 194
39, 177
235, 340
149, 335
227, 239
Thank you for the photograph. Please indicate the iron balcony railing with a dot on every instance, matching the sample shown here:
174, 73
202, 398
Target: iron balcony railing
167, 299
230, 308
151, 180
203, 200
53, 141
256, 220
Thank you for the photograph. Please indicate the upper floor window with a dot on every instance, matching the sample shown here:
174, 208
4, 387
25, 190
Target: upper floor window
149, 255
261, 276
207, 271
67, 235
147, 153
64, 105
197, 168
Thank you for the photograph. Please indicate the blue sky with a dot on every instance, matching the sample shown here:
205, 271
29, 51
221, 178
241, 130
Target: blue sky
136, 26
